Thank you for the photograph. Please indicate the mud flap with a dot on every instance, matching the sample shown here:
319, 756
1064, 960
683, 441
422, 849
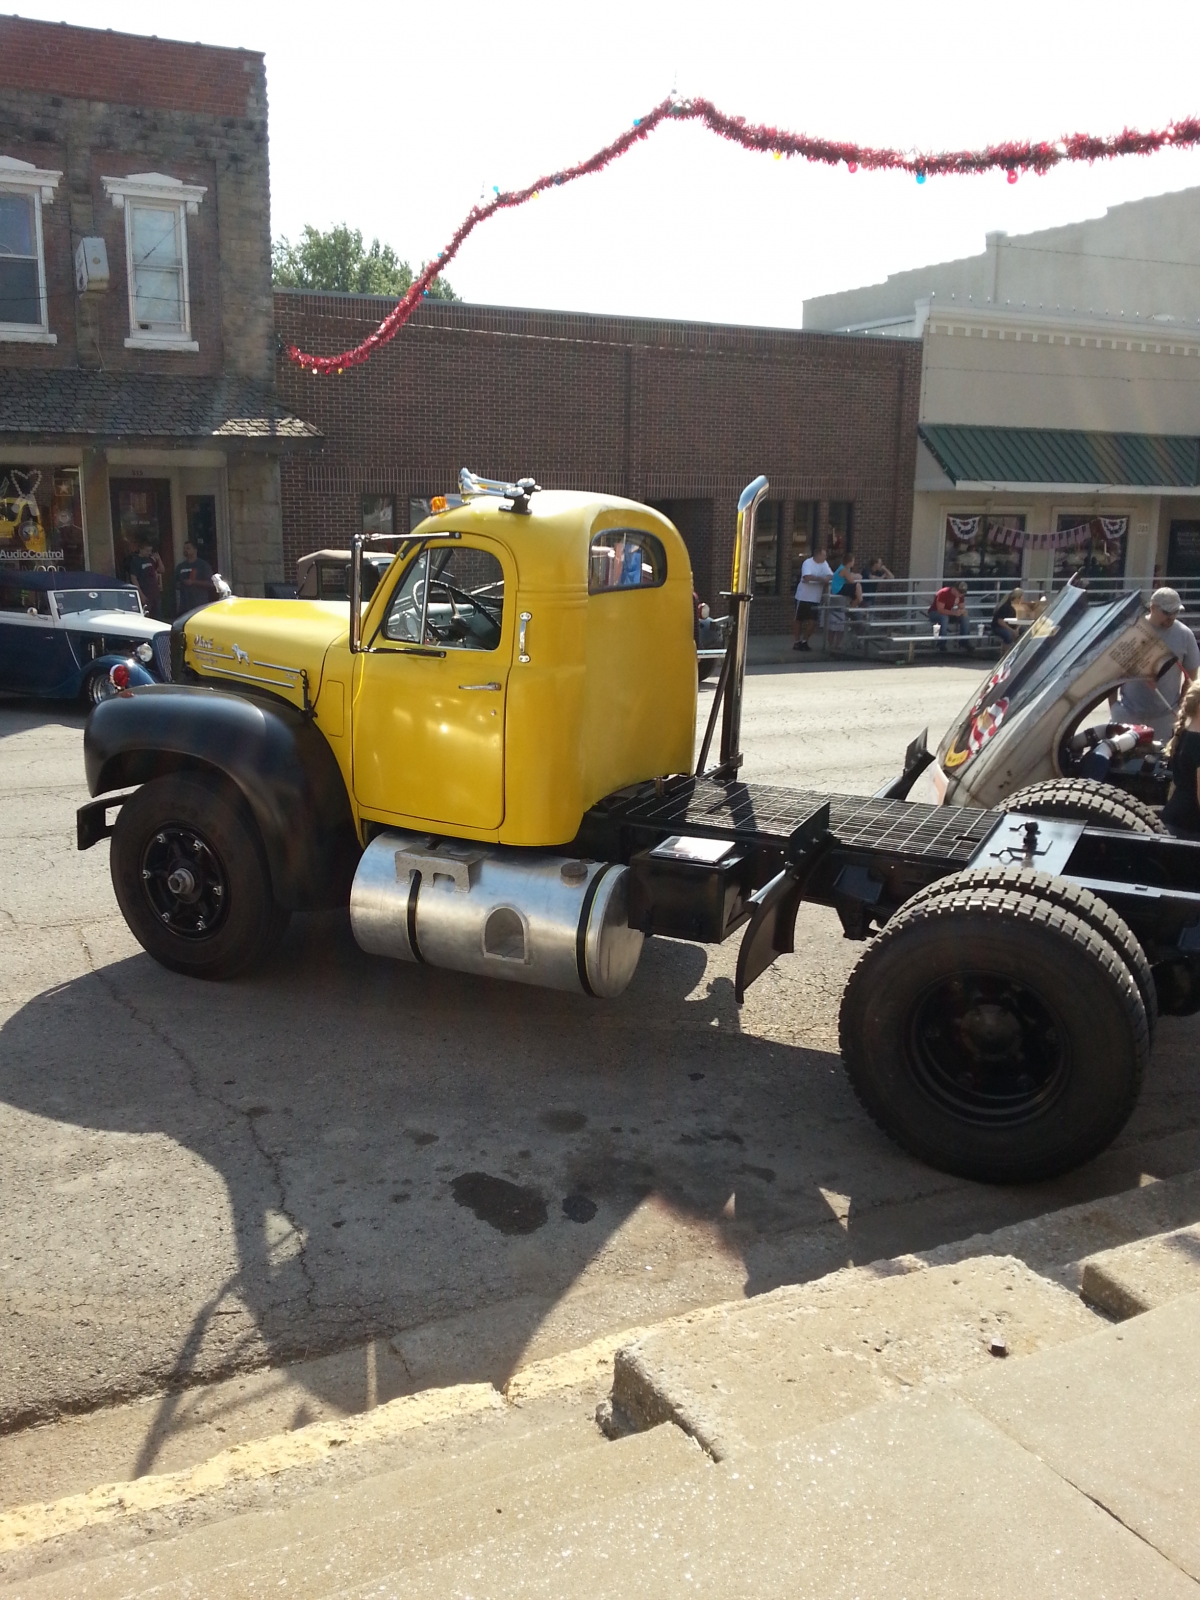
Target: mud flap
772, 927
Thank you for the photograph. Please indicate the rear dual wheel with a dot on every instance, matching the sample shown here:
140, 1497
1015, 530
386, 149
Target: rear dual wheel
995, 1034
1085, 800
191, 877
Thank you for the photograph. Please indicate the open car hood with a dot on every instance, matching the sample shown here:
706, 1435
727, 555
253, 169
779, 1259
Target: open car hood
1039, 692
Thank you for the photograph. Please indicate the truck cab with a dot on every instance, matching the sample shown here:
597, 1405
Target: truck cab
510, 669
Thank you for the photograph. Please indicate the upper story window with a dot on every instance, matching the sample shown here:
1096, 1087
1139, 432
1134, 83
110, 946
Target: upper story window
625, 558
24, 190
156, 210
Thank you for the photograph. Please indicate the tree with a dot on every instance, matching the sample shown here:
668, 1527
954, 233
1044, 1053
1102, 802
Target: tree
338, 260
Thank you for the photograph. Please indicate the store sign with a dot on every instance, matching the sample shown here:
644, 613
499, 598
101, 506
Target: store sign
41, 519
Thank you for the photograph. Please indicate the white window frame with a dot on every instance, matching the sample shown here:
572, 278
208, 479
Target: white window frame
168, 194
23, 178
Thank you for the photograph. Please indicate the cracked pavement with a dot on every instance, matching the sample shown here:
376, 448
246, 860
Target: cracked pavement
200, 1180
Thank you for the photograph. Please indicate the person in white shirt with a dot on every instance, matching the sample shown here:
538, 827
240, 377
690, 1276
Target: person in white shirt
815, 577
1154, 702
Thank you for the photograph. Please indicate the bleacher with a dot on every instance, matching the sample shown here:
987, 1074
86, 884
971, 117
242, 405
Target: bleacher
894, 625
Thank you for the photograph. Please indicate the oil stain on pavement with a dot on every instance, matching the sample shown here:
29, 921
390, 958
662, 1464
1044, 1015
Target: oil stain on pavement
504, 1206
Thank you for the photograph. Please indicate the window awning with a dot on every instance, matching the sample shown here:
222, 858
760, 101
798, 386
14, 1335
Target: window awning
1062, 458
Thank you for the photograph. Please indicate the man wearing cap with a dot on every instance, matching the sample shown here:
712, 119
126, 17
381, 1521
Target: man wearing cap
1154, 701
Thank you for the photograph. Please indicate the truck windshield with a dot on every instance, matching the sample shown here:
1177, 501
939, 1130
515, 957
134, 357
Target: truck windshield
70, 600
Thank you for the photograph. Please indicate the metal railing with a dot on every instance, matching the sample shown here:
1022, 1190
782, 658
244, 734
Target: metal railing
898, 608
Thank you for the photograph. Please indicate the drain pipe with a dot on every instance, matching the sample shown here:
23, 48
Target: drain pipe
739, 632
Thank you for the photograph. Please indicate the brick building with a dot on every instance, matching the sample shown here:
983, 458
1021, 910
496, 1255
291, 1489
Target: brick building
137, 347
679, 414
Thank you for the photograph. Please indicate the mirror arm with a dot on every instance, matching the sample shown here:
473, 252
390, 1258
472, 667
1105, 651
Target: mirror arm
356, 562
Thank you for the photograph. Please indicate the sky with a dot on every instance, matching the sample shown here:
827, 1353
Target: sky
395, 119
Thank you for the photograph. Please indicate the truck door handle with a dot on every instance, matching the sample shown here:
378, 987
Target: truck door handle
495, 686
522, 652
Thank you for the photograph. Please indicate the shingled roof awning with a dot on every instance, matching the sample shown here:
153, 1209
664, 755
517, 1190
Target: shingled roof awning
109, 408
1063, 458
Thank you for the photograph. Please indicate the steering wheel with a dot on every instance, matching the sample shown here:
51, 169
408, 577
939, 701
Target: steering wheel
457, 628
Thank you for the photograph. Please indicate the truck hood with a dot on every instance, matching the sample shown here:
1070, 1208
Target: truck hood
1011, 732
278, 645
128, 623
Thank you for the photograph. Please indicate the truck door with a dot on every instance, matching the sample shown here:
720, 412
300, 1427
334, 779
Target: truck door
431, 688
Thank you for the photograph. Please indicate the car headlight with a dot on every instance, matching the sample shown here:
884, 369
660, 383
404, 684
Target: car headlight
144, 653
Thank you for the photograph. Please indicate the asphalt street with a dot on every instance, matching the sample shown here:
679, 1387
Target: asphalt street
341, 1152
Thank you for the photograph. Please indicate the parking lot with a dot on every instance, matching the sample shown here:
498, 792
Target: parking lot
344, 1153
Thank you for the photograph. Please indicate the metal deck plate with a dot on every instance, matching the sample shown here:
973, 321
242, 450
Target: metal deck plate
761, 811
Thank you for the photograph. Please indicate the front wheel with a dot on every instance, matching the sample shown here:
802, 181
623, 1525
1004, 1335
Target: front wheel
192, 880
97, 686
994, 1035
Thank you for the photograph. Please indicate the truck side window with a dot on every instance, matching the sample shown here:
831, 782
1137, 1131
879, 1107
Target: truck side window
625, 558
460, 595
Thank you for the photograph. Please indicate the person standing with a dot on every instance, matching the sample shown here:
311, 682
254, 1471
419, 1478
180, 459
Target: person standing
147, 571
815, 577
193, 581
1154, 701
1181, 813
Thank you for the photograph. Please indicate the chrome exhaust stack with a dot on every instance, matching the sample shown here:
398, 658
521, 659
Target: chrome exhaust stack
524, 916
733, 669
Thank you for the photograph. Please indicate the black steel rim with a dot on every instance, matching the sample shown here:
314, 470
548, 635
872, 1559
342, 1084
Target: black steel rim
988, 1048
184, 881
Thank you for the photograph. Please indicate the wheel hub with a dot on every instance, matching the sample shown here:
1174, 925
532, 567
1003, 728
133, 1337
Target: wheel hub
988, 1048
184, 881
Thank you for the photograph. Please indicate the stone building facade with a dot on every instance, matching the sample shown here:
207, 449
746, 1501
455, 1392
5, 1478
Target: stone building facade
137, 346
682, 415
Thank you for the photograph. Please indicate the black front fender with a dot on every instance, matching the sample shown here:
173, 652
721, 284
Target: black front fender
270, 751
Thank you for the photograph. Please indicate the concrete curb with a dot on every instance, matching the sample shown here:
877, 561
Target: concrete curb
36, 1523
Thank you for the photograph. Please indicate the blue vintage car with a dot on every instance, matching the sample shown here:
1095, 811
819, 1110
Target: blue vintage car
61, 633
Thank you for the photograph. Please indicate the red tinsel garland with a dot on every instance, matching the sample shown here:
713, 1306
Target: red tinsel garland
1014, 157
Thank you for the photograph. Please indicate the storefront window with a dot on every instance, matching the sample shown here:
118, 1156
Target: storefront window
1093, 546
378, 515
1183, 550
41, 519
804, 529
983, 546
841, 531
768, 524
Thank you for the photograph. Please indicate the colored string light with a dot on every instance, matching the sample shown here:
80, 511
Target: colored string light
1013, 157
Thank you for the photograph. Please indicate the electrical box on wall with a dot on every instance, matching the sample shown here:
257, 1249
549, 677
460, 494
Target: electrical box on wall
91, 266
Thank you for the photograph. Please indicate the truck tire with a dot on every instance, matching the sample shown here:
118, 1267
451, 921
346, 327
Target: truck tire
192, 880
1084, 800
994, 1035
1072, 897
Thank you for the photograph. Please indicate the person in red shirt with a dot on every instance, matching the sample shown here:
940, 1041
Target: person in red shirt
949, 608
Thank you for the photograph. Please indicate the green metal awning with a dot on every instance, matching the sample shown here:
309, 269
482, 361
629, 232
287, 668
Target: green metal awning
1062, 457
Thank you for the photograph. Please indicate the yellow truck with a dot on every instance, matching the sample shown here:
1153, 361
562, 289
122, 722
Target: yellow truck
491, 764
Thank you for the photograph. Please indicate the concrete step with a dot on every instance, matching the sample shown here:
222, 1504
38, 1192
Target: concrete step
1027, 1482
744, 1374
1133, 1278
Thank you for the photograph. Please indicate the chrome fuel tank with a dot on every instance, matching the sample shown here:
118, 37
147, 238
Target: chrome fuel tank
522, 915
